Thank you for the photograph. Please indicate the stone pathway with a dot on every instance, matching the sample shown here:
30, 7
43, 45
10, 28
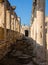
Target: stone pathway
21, 54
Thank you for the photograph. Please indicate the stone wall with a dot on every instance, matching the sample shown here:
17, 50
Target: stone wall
46, 30
8, 23
38, 30
23, 28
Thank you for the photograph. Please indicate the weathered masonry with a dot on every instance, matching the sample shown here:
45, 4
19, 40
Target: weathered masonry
25, 30
9, 27
11, 30
38, 31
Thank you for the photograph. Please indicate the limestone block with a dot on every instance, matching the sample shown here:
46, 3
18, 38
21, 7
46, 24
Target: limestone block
12, 22
17, 25
2, 13
8, 17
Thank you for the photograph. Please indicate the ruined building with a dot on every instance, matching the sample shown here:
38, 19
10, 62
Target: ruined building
9, 26
39, 32
11, 30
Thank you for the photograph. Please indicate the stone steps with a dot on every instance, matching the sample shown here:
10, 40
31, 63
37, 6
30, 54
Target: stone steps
21, 53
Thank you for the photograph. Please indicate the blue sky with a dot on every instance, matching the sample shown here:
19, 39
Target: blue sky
24, 9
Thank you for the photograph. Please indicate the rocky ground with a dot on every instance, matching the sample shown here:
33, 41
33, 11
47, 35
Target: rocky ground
21, 53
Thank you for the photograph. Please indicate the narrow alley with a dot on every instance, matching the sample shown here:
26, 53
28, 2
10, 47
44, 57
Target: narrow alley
23, 41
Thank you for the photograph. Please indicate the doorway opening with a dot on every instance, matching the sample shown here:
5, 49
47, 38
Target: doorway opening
26, 33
